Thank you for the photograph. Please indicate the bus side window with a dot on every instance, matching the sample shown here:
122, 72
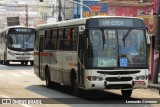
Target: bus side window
74, 36
47, 39
41, 44
53, 39
60, 39
67, 38
36, 40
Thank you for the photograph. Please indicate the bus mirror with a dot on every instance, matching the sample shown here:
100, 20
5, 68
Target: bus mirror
81, 28
82, 39
146, 28
148, 38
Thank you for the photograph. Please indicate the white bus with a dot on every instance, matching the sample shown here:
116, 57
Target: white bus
86, 54
17, 45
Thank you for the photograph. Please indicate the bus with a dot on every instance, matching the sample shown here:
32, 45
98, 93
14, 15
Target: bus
66, 53
17, 45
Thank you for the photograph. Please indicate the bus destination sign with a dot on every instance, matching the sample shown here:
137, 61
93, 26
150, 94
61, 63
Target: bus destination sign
22, 30
116, 22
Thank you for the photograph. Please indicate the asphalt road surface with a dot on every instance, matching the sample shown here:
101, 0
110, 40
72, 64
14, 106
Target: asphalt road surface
19, 85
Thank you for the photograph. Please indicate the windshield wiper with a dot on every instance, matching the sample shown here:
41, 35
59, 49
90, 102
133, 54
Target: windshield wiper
103, 38
124, 37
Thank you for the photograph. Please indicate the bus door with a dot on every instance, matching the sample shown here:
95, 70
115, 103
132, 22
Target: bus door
81, 55
41, 48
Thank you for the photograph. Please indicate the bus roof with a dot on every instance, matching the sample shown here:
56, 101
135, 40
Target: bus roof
73, 22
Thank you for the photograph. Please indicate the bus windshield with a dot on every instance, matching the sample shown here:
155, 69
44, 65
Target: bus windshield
109, 48
21, 41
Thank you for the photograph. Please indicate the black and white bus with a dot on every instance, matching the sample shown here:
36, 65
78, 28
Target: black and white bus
17, 45
87, 53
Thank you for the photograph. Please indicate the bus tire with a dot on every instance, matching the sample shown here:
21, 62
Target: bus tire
76, 89
74, 83
22, 63
32, 63
6, 62
3, 62
26, 63
126, 93
48, 78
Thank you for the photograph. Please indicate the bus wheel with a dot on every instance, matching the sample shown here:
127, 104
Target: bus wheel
6, 62
75, 88
32, 63
48, 79
26, 63
22, 63
126, 93
3, 62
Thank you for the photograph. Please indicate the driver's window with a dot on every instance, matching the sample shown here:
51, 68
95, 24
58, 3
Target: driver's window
95, 38
110, 36
111, 43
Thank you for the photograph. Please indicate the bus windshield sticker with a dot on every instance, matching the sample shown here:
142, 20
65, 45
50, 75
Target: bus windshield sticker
106, 62
16, 46
25, 45
123, 62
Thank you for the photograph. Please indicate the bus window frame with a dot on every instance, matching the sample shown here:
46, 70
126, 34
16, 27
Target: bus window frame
47, 41
54, 37
60, 37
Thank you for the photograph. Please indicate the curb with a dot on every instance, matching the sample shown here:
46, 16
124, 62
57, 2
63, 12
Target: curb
153, 86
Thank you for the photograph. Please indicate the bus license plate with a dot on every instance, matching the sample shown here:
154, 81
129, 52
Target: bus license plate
139, 82
23, 58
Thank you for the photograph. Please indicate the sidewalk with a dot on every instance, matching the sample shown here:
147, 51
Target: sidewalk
155, 86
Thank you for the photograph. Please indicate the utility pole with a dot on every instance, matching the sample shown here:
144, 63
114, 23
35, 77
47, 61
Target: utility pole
77, 9
26, 15
81, 9
157, 47
60, 9
53, 11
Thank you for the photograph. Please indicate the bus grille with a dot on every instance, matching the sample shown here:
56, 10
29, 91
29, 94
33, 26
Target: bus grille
118, 72
23, 53
116, 79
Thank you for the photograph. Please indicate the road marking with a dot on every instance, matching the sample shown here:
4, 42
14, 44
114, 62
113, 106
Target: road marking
5, 96
23, 73
26, 73
146, 94
17, 75
25, 105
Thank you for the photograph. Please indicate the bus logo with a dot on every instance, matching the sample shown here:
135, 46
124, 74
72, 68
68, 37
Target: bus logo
119, 76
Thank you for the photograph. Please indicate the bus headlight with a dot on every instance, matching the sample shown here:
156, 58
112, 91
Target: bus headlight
142, 77
94, 78
97, 78
11, 53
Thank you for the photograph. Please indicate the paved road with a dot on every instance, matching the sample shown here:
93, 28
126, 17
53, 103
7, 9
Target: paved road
20, 82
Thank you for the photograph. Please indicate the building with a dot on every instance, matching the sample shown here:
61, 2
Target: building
23, 10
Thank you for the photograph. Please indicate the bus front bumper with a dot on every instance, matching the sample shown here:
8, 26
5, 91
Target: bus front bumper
101, 85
